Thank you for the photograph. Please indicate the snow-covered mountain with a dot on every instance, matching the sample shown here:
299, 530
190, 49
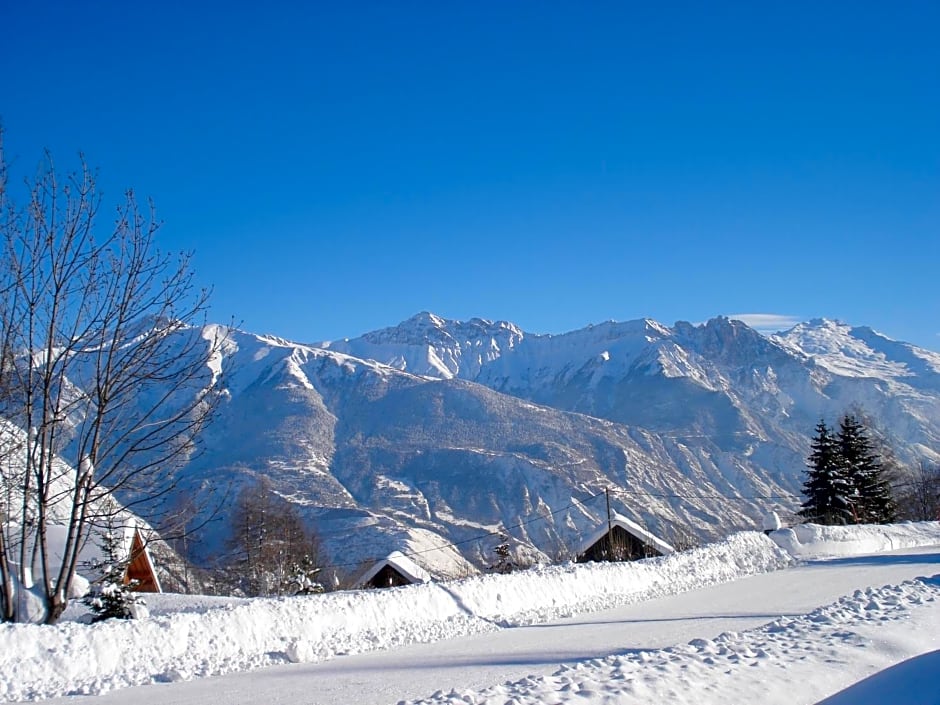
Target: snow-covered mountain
721, 379
436, 433
429, 345
380, 459
428, 436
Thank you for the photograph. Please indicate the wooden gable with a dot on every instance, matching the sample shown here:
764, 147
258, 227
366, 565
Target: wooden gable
393, 571
625, 540
621, 546
140, 568
387, 577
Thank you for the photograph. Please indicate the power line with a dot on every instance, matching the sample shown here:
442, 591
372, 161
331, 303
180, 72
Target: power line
544, 516
538, 517
574, 503
738, 498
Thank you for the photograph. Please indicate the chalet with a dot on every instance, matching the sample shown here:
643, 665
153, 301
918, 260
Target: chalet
132, 547
394, 570
625, 541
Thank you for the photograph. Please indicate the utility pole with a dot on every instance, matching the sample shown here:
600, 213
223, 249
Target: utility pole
610, 528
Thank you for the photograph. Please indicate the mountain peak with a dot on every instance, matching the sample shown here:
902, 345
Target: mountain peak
860, 351
495, 326
426, 318
611, 329
730, 340
824, 324
427, 344
421, 328
433, 328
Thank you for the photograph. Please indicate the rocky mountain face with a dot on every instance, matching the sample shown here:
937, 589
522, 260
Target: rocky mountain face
433, 436
429, 436
722, 379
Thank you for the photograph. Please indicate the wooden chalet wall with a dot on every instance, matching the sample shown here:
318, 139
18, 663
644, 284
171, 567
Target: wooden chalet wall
140, 568
626, 547
387, 577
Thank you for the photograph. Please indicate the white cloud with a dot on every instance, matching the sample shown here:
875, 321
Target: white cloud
766, 322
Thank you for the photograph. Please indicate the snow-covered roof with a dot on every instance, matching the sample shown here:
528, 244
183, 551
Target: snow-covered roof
631, 527
92, 551
771, 522
404, 565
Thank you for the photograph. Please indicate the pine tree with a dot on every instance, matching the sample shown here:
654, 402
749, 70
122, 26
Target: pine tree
826, 488
109, 597
303, 578
504, 562
870, 490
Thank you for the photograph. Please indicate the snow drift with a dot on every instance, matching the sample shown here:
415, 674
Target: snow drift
807, 541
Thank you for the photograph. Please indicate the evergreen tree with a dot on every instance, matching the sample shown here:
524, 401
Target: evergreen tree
504, 562
870, 491
109, 597
826, 488
303, 578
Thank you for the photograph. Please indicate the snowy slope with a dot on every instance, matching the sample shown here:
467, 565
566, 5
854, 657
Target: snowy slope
380, 460
728, 408
862, 352
896, 383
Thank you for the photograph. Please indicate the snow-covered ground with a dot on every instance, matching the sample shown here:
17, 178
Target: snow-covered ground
790, 660
801, 656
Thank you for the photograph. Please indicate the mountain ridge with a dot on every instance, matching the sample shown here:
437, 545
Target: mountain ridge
433, 436
432, 431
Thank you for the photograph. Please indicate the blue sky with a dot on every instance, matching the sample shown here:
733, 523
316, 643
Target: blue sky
338, 167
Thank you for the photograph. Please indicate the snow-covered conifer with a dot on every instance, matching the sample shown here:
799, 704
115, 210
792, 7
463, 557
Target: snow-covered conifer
303, 578
826, 488
870, 491
109, 596
504, 562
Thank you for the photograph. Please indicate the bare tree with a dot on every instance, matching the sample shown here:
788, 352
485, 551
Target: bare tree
270, 546
680, 536
917, 492
108, 368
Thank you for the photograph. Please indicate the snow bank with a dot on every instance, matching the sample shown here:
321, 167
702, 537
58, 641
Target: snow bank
911, 681
539, 595
811, 541
72, 658
208, 636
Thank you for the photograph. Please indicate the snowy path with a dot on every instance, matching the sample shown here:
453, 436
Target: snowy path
483, 661
790, 661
